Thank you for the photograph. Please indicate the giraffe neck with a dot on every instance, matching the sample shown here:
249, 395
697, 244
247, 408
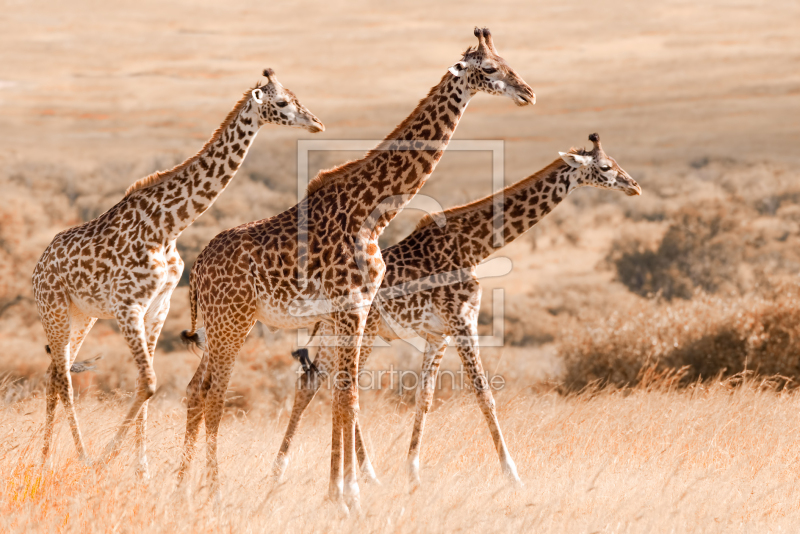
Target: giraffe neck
524, 204
188, 190
394, 171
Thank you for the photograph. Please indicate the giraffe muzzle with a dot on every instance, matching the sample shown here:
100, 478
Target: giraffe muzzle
632, 189
525, 97
316, 126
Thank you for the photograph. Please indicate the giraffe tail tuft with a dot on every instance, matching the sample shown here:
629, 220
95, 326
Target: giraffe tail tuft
196, 339
301, 355
85, 365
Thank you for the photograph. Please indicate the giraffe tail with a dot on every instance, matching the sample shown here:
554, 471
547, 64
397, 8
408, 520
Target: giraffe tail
194, 337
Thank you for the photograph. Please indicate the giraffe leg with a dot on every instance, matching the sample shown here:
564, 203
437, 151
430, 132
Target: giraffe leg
52, 404
154, 322
370, 333
223, 347
349, 329
306, 388
59, 379
336, 486
466, 337
195, 400
364, 463
131, 323
430, 369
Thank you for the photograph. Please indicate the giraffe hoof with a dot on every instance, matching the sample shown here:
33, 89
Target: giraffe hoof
372, 480
279, 468
354, 507
368, 474
143, 473
342, 511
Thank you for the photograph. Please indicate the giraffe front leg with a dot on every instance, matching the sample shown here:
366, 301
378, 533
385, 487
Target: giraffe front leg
349, 329
434, 351
466, 341
131, 323
154, 322
370, 333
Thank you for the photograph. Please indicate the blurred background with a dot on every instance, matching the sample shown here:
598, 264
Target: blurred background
699, 102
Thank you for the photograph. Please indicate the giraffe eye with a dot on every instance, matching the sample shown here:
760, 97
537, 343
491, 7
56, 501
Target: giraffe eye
489, 70
282, 104
604, 168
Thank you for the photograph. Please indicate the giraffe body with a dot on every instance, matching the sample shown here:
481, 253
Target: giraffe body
431, 289
124, 264
262, 272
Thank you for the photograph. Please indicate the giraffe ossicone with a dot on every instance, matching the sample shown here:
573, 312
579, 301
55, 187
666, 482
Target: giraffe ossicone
124, 264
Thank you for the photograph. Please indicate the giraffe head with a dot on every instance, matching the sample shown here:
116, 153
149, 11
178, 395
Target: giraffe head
599, 170
276, 104
488, 72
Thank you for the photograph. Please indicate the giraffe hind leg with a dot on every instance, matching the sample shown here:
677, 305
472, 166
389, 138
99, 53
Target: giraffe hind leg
430, 369
59, 382
223, 348
196, 393
306, 388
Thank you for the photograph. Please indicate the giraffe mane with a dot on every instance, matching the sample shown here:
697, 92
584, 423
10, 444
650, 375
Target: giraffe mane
481, 203
329, 176
161, 176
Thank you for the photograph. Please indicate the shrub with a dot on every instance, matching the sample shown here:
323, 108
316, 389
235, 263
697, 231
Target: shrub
708, 336
701, 250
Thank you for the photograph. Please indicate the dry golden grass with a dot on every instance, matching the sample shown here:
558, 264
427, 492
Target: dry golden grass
710, 458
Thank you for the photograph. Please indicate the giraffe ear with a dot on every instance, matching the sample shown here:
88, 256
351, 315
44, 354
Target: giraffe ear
458, 69
257, 95
575, 160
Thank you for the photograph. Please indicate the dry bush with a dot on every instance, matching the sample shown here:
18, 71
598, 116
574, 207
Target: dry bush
525, 323
740, 223
706, 337
700, 250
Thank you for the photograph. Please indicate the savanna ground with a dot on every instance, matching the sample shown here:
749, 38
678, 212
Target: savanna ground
651, 343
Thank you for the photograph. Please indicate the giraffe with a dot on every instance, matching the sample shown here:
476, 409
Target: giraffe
124, 264
263, 271
415, 297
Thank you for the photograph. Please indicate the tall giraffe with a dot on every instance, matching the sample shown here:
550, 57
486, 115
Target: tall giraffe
124, 264
416, 297
262, 271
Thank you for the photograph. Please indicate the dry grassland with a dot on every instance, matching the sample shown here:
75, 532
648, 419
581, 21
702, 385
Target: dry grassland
637, 330
708, 458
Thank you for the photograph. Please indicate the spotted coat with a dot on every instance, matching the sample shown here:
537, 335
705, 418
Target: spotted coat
264, 271
124, 264
431, 289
